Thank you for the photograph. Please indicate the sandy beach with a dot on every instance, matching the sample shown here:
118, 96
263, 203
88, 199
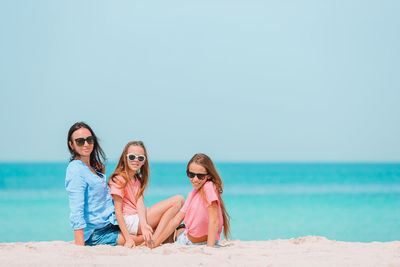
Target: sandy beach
303, 251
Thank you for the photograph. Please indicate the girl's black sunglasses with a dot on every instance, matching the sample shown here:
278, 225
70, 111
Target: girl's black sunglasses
200, 176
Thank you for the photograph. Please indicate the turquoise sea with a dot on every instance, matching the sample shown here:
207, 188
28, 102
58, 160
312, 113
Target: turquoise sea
347, 202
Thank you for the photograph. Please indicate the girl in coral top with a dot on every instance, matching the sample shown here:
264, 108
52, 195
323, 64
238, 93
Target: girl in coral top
204, 212
127, 185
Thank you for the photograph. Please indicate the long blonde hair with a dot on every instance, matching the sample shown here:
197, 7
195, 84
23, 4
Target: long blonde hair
205, 161
123, 170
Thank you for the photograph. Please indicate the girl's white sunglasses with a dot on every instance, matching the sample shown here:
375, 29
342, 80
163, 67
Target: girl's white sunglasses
132, 157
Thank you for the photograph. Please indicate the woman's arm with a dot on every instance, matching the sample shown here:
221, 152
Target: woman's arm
170, 228
147, 230
76, 186
213, 223
79, 237
129, 242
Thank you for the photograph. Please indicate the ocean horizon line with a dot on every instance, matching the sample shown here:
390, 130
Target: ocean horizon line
224, 162
243, 190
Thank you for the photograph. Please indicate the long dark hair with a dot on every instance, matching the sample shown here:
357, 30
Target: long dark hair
206, 162
123, 170
97, 157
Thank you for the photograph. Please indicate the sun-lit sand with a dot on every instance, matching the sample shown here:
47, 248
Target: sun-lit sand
304, 251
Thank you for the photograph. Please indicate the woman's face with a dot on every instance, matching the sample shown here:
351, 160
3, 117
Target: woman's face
197, 169
76, 143
137, 151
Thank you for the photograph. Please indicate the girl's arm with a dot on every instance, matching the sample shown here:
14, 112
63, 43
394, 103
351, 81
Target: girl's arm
170, 228
147, 230
213, 224
129, 242
79, 237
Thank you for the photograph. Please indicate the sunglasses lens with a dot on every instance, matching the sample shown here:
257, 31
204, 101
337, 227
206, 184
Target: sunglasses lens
90, 140
131, 157
80, 141
201, 176
190, 174
141, 158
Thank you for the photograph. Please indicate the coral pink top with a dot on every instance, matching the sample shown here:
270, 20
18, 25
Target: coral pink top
128, 193
196, 211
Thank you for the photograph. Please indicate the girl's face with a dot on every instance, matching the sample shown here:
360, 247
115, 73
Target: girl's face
136, 152
195, 168
82, 142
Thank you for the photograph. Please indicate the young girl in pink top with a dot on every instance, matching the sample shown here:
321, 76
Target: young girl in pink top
204, 212
127, 185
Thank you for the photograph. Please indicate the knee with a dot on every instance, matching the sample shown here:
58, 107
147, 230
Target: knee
179, 201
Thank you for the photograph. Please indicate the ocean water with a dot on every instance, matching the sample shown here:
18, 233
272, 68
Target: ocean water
347, 202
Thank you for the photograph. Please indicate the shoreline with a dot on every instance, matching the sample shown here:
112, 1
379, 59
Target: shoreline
302, 251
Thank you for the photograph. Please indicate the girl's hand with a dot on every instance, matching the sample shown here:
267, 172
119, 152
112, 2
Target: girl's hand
129, 243
147, 232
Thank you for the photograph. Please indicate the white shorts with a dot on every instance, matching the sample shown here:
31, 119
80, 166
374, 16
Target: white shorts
132, 223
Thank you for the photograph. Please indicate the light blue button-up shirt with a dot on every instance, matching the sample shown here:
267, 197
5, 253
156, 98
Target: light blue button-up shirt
89, 199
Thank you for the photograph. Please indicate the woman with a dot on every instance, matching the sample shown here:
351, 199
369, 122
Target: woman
92, 211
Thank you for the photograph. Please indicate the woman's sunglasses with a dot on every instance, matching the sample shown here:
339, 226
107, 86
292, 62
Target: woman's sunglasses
81, 141
200, 176
132, 157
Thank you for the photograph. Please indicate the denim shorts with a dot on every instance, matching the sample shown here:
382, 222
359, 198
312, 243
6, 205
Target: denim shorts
108, 235
182, 239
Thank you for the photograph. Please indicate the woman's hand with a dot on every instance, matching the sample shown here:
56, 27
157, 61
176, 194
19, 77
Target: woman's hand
129, 243
79, 237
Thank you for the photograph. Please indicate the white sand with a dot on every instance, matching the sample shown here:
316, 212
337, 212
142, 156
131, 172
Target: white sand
304, 251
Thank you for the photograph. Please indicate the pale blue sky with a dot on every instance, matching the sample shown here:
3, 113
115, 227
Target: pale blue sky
238, 80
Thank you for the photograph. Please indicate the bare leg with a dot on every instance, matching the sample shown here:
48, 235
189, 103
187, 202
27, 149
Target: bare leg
169, 239
137, 238
161, 213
